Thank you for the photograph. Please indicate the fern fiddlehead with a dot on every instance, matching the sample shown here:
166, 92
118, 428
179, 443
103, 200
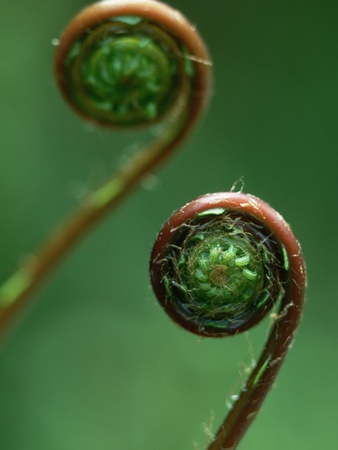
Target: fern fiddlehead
121, 70
217, 267
120, 64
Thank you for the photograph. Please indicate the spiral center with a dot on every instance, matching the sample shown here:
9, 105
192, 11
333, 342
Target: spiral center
218, 275
220, 272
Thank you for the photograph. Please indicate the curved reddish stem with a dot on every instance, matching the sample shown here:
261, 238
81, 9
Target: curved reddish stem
282, 334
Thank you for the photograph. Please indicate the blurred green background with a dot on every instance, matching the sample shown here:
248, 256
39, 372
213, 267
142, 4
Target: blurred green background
96, 364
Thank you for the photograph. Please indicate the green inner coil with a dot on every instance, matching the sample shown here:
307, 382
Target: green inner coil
124, 72
222, 273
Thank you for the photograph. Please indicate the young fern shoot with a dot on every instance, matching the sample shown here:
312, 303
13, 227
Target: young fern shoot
120, 64
217, 267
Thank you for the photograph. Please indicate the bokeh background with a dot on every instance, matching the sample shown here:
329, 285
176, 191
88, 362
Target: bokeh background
96, 364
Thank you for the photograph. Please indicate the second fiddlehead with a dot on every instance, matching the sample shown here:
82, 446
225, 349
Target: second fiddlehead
129, 63
217, 267
120, 64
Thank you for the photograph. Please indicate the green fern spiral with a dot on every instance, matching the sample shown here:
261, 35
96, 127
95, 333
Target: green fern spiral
223, 272
125, 71
219, 272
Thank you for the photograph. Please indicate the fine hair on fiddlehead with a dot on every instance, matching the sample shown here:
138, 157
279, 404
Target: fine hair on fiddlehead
217, 269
